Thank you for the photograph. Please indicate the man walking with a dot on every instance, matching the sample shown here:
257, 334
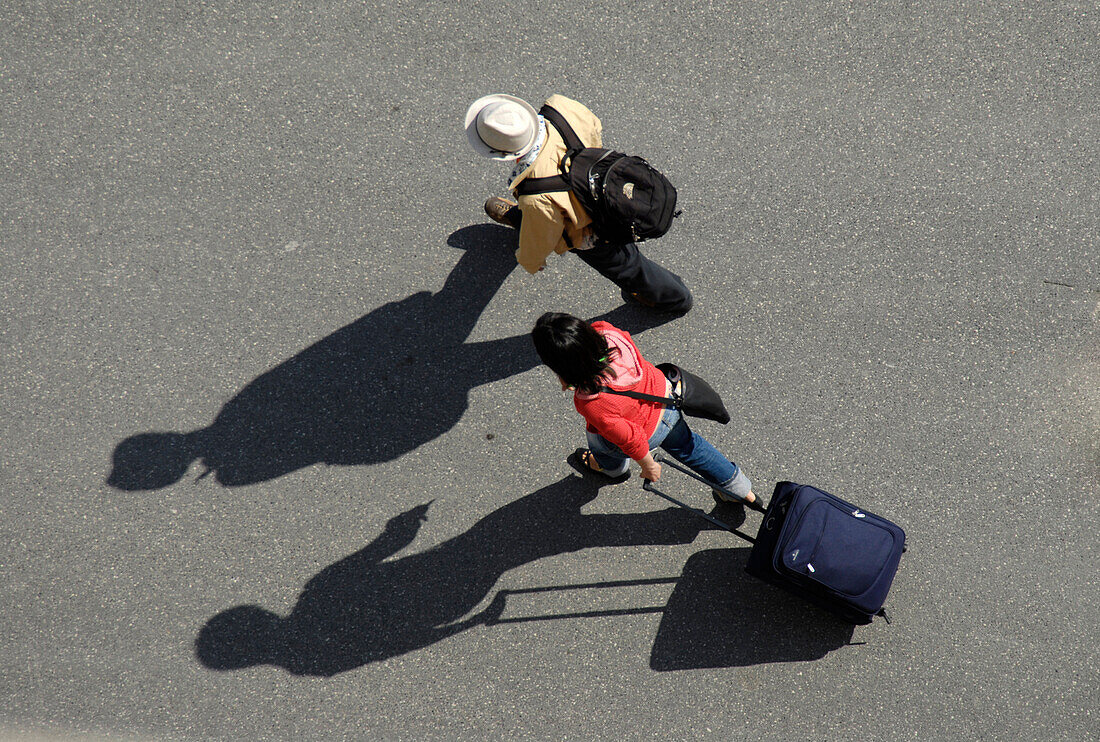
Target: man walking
509, 129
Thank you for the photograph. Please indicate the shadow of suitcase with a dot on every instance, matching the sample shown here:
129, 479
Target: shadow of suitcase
819, 547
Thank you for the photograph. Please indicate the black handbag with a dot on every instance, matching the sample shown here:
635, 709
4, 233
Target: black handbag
695, 396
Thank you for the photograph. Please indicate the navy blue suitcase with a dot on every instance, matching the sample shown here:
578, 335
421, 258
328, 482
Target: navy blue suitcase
819, 547
828, 551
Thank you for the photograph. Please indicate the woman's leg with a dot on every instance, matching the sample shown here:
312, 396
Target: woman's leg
696, 452
613, 462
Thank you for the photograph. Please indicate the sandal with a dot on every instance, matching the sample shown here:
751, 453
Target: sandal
589, 460
584, 462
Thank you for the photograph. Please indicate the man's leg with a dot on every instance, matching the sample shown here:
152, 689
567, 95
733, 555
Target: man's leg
650, 284
640, 278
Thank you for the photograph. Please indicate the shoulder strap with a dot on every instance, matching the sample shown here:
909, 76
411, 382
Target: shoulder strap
573, 145
667, 401
572, 142
531, 186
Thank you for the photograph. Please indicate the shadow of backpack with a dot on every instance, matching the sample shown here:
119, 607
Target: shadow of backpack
627, 198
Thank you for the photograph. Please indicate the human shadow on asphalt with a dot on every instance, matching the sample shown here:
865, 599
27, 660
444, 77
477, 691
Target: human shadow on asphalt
720, 616
391, 381
368, 608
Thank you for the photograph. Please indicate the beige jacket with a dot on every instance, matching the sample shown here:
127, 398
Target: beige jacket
549, 217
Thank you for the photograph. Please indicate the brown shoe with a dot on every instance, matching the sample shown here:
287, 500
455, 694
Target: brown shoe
632, 298
498, 210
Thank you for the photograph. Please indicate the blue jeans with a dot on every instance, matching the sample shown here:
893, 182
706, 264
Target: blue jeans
684, 445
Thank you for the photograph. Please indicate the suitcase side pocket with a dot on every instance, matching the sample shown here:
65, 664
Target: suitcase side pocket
842, 553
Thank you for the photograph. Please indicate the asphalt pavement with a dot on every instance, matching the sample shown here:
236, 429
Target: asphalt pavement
279, 461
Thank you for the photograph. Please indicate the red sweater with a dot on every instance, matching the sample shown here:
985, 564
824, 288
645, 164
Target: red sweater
628, 423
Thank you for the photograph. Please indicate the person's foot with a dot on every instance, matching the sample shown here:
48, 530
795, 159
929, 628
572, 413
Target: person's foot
584, 462
721, 497
499, 210
590, 461
632, 298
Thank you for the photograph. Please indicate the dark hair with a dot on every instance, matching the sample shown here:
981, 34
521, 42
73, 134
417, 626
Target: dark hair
573, 350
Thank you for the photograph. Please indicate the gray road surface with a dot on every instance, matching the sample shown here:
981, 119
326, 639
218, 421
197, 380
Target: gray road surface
276, 448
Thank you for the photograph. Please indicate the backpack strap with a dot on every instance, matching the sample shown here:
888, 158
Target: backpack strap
573, 145
572, 142
549, 184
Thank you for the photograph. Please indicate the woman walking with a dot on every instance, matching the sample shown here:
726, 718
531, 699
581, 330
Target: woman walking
591, 358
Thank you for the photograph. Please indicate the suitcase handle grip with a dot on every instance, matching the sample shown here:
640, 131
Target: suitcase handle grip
754, 505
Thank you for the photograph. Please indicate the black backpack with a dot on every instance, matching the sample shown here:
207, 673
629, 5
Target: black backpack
628, 200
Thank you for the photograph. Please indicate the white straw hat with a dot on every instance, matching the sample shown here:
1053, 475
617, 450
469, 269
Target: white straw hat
501, 126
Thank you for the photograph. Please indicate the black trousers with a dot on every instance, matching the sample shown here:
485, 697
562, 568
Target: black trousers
640, 279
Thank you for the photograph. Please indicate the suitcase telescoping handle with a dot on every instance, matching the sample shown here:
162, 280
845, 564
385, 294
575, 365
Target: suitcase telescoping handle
754, 505
648, 486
